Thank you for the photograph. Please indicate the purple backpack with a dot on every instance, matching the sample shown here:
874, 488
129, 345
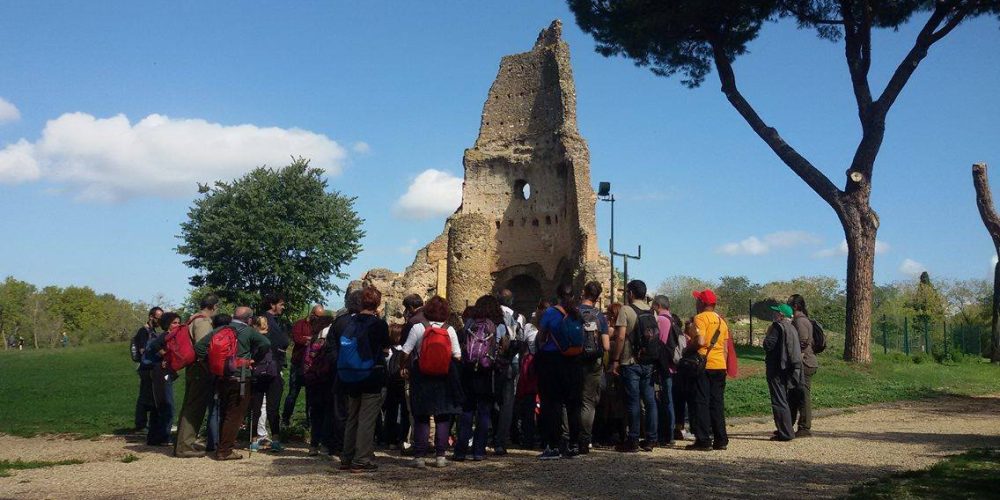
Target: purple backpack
480, 344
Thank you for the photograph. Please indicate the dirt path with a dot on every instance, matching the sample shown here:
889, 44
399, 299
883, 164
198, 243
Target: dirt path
848, 448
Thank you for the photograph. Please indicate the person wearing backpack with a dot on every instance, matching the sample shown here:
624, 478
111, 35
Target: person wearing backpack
431, 364
526, 395
315, 367
144, 405
233, 387
162, 381
302, 334
634, 359
199, 385
596, 342
783, 361
277, 334
800, 398
481, 350
507, 372
670, 333
707, 338
361, 374
560, 378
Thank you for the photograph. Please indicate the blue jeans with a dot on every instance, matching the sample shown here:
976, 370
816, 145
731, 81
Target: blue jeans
666, 408
212, 434
640, 386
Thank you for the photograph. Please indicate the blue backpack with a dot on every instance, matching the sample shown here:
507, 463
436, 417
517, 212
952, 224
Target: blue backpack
355, 362
569, 336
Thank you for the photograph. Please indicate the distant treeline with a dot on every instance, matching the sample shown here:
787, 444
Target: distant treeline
41, 315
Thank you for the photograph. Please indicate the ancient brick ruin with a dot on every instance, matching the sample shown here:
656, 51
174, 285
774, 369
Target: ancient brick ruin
527, 216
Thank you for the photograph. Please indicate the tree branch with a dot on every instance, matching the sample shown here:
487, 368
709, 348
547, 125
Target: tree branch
801, 166
909, 64
857, 50
984, 200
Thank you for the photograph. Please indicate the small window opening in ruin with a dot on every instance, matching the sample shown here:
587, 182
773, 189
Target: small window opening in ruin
522, 189
548, 220
534, 222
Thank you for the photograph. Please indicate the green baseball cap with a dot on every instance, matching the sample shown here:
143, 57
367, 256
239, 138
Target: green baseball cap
784, 309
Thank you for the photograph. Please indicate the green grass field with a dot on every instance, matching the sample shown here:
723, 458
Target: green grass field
91, 390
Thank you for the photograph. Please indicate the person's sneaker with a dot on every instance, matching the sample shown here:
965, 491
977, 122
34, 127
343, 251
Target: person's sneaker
627, 446
549, 454
313, 451
803, 433
688, 435
720, 447
478, 458
255, 446
369, 467
230, 456
699, 447
458, 458
500, 451
440, 462
646, 445
418, 463
276, 447
779, 438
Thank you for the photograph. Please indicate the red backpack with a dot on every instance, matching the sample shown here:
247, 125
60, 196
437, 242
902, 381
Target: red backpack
179, 346
222, 360
435, 351
527, 382
316, 362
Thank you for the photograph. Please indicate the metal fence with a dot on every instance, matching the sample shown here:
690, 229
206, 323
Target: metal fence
916, 334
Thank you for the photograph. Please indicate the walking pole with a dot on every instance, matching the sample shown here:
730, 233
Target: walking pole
242, 381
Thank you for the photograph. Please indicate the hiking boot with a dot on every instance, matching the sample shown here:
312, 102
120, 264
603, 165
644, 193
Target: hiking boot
803, 433
720, 446
779, 438
230, 456
699, 447
313, 451
276, 447
646, 445
549, 454
189, 454
369, 467
627, 446
570, 452
418, 463
440, 462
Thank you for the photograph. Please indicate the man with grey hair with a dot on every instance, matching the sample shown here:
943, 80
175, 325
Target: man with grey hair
234, 393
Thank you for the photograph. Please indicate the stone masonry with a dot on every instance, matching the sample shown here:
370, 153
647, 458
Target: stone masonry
527, 216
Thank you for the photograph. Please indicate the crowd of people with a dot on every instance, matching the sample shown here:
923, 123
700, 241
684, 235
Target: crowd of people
565, 380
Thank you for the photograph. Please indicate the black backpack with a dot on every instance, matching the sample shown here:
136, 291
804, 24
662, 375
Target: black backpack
138, 344
592, 348
819, 337
646, 345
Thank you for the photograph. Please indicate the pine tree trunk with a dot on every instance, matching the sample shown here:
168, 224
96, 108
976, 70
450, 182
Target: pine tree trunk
984, 201
995, 325
860, 228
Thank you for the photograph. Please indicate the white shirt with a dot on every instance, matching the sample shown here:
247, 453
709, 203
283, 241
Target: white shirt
417, 334
323, 333
528, 336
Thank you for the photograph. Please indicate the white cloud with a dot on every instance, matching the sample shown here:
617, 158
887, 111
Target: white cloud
433, 193
760, 246
361, 148
8, 111
911, 268
881, 247
111, 159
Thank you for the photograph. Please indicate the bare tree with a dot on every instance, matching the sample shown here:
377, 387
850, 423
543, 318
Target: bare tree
984, 199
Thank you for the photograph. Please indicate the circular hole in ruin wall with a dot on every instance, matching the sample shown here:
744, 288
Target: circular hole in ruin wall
522, 189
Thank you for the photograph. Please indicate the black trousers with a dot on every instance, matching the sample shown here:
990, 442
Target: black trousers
681, 390
273, 391
709, 415
559, 388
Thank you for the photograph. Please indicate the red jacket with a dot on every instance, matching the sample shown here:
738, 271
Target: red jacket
301, 335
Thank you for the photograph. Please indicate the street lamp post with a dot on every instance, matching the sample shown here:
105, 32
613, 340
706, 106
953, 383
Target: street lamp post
626, 257
604, 194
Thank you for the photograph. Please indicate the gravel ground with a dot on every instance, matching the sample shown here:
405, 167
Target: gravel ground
848, 448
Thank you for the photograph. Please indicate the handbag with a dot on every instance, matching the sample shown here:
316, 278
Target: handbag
692, 364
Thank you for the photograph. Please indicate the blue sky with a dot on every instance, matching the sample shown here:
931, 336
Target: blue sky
381, 92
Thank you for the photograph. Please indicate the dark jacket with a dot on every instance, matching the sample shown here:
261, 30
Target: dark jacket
781, 347
277, 333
